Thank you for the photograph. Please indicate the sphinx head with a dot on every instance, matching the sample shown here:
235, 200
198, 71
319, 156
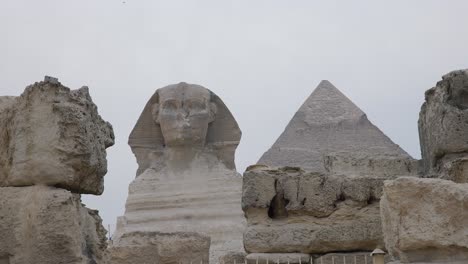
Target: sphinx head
184, 117
184, 113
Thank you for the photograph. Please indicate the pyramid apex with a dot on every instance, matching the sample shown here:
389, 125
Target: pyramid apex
327, 105
326, 83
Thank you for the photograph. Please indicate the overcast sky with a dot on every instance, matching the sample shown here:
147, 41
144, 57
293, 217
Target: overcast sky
263, 58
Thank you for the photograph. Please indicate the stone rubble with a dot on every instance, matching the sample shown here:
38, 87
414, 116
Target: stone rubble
426, 220
289, 210
41, 224
54, 136
52, 148
443, 124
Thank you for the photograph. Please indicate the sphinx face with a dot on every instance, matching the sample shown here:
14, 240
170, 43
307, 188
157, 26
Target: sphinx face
184, 113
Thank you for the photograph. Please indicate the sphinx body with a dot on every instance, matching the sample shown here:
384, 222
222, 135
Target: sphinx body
184, 143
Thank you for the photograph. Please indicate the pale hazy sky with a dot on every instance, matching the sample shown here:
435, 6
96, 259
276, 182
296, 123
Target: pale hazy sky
263, 58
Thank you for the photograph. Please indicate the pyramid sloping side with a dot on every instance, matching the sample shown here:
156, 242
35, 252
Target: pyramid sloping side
328, 122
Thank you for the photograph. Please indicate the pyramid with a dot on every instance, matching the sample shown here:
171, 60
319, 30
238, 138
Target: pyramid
327, 123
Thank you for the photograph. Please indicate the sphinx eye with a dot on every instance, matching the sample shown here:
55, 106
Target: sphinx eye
196, 106
169, 105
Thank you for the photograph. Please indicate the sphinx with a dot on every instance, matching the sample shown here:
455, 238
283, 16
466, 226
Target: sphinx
184, 143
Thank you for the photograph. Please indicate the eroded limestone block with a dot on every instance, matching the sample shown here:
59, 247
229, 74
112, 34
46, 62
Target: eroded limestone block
289, 210
443, 128
161, 248
54, 136
359, 164
44, 225
425, 220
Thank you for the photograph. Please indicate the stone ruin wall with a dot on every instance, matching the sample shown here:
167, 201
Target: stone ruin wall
340, 203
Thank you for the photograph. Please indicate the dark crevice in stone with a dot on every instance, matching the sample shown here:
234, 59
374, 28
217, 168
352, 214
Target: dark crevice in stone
277, 209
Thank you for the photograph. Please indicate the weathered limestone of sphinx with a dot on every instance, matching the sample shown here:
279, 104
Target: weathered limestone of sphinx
54, 136
330, 201
42, 225
184, 142
443, 124
425, 220
328, 123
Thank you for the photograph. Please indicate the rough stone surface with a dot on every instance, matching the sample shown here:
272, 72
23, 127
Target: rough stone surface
278, 258
329, 122
443, 124
289, 210
425, 220
382, 165
54, 136
161, 248
44, 225
6, 102
184, 142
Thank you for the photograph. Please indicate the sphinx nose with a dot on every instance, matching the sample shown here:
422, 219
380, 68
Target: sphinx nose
183, 119
183, 114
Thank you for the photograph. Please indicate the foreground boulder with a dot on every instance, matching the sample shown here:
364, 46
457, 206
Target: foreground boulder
52, 148
425, 220
289, 210
443, 128
161, 248
44, 225
54, 136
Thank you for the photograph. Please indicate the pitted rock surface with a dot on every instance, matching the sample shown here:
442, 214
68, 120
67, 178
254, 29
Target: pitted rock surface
289, 210
54, 136
425, 220
43, 225
443, 128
